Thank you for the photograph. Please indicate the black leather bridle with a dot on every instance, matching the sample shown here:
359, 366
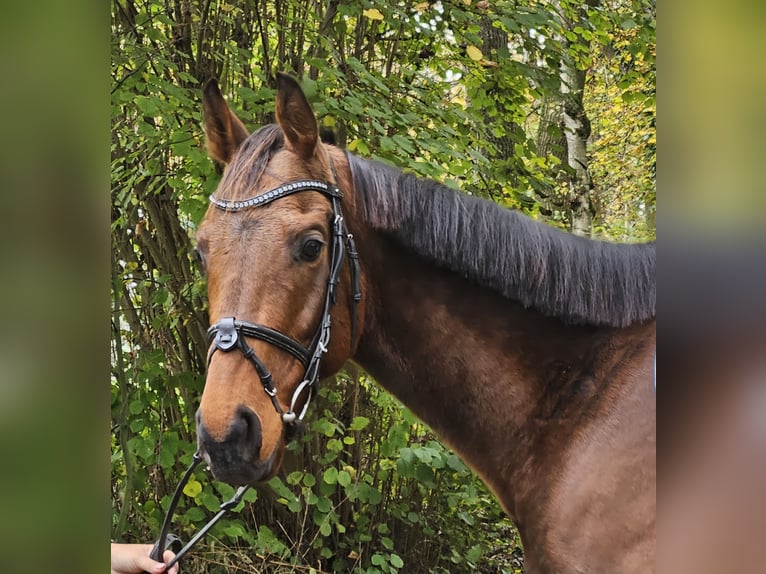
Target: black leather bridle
229, 333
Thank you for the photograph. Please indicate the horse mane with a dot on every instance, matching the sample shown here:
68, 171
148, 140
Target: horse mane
579, 280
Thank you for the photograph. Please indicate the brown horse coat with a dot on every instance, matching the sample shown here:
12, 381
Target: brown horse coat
527, 350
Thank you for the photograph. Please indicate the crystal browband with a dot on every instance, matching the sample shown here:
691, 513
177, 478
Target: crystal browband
277, 193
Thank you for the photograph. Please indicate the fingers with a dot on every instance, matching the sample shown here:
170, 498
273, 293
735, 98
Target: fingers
149, 565
134, 559
168, 556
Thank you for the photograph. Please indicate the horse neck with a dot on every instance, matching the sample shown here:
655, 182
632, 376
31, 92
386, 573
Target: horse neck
503, 386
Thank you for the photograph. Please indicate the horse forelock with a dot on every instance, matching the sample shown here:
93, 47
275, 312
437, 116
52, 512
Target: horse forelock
249, 162
578, 280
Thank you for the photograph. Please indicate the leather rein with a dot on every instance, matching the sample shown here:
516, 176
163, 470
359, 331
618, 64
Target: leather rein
230, 333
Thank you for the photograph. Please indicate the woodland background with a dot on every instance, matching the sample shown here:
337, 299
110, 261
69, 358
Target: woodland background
544, 106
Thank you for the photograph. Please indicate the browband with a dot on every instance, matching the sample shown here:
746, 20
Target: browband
278, 193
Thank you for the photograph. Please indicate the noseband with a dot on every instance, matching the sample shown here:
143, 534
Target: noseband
229, 333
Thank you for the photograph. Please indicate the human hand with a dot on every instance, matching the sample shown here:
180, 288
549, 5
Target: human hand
135, 559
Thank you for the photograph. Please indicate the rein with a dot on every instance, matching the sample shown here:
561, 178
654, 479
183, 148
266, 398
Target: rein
229, 333
168, 541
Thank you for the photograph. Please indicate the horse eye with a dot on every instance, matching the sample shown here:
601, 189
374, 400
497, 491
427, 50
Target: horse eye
198, 257
310, 249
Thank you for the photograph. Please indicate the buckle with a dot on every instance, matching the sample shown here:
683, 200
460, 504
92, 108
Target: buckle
226, 334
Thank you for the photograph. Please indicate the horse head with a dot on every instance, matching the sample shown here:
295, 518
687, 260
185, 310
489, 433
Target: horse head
282, 277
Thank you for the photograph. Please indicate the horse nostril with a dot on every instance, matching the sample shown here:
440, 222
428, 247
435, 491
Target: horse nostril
242, 443
246, 433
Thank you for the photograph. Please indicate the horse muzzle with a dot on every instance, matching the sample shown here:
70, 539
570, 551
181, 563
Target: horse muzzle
236, 459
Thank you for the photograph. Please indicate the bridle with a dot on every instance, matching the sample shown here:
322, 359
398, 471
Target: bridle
229, 333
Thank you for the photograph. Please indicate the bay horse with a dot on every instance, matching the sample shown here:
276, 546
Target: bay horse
527, 350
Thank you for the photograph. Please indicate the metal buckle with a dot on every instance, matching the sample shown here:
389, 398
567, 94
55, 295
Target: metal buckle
226, 334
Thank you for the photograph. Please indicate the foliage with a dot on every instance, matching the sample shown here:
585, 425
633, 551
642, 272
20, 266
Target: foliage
423, 85
623, 104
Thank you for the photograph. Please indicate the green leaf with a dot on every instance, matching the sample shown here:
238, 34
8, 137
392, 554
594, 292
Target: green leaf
454, 462
251, 495
194, 514
404, 143
425, 474
344, 478
324, 426
474, 553
374, 496
144, 447
234, 530
324, 504
226, 491
330, 475
359, 423
295, 477
210, 501
137, 425
396, 561
466, 517
167, 458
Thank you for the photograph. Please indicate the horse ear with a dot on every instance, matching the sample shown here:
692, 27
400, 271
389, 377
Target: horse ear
223, 130
295, 117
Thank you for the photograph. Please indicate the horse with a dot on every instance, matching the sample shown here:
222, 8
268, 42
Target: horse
529, 351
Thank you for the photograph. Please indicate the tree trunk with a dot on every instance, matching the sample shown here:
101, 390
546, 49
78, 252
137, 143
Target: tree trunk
576, 125
493, 40
577, 131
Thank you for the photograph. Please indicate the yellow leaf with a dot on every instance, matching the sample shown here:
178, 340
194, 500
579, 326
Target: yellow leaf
373, 14
351, 471
474, 53
422, 6
192, 488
